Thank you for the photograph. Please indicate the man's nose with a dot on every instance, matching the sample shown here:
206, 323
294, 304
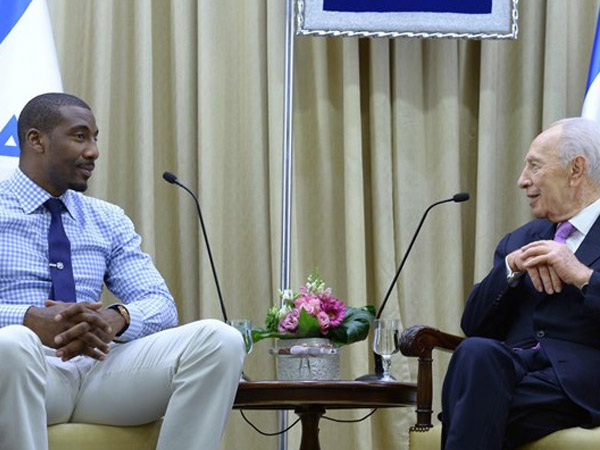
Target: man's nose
92, 151
523, 180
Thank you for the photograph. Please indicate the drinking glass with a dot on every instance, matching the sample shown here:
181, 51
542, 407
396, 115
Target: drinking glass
386, 342
244, 326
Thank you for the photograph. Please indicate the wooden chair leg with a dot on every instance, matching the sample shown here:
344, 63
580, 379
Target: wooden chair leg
424, 393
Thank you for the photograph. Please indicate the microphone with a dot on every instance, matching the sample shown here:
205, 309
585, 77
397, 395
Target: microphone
457, 198
171, 178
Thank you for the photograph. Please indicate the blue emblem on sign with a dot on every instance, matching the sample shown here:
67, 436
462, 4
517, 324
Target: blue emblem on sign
9, 139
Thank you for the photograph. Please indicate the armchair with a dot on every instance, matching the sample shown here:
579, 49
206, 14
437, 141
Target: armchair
420, 341
77, 436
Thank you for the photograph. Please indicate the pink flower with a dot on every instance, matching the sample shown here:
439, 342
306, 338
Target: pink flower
324, 322
326, 294
289, 323
335, 310
310, 303
304, 292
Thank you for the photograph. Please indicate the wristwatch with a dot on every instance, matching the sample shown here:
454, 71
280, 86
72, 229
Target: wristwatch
513, 278
124, 313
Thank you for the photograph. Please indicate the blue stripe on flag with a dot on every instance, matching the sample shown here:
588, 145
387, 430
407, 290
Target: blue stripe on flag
10, 13
595, 59
429, 6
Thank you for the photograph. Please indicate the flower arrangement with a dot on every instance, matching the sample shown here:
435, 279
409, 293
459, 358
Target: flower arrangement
315, 312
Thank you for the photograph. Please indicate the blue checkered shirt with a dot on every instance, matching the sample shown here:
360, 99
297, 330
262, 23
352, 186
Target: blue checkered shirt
105, 251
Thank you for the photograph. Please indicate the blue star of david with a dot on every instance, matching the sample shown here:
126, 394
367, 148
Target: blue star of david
9, 140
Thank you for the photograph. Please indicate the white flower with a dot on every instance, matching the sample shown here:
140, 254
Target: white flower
287, 295
284, 310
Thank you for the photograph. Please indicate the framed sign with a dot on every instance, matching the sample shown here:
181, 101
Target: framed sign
466, 19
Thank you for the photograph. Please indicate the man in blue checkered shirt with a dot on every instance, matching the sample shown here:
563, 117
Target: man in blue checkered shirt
72, 360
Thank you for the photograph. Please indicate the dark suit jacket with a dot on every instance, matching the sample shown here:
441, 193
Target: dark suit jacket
566, 324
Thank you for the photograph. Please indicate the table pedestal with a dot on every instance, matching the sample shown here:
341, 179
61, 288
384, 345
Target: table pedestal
309, 418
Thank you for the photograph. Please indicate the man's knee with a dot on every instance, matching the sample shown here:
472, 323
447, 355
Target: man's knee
478, 347
19, 348
486, 358
216, 336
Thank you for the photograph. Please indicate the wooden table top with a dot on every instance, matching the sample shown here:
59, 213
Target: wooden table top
329, 394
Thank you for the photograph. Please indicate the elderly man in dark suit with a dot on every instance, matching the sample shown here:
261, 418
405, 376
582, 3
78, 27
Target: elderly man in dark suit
531, 363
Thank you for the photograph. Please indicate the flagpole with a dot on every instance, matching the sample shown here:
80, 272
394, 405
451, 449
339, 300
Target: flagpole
287, 163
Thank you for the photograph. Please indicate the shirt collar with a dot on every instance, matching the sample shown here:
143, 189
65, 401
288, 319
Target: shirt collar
31, 196
585, 218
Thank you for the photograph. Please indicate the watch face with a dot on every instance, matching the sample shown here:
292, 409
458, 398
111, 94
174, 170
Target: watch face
513, 278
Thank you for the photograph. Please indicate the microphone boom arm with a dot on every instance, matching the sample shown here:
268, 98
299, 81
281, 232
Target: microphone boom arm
173, 180
457, 198
414, 238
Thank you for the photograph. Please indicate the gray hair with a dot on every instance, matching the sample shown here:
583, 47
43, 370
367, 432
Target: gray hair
580, 136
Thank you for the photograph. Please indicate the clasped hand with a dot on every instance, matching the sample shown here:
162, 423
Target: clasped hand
550, 265
73, 328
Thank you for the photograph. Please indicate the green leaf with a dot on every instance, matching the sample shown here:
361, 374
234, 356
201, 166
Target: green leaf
308, 326
272, 319
258, 334
355, 326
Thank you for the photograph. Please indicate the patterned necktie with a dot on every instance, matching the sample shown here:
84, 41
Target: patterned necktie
59, 255
563, 231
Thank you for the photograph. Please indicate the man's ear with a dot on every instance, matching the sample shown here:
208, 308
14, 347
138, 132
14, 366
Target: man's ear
36, 140
578, 168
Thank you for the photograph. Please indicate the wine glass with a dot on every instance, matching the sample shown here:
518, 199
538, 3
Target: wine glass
244, 326
386, 342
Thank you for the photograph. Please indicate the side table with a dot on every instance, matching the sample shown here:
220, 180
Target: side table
310, 399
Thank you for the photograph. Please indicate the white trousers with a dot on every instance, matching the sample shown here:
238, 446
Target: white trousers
187, 374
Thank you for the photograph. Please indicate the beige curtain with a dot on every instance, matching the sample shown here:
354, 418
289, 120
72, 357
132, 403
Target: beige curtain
382, 129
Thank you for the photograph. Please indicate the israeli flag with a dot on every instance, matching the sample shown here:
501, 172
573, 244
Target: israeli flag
28, 67
591, 101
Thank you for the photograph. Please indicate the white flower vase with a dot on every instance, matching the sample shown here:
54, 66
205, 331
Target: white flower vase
307, 359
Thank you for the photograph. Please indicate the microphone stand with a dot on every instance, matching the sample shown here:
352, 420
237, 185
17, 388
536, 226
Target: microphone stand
171, 178
378, 375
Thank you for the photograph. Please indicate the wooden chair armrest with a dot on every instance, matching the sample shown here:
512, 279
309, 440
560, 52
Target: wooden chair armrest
420, 341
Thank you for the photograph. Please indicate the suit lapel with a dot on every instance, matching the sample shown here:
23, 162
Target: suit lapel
545, 231
589, 250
